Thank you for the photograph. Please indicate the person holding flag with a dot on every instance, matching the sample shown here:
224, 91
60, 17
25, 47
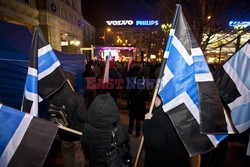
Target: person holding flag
188, 92
76, 111
163, 146
45, 79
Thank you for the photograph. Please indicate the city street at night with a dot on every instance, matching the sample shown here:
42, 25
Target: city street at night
124, 83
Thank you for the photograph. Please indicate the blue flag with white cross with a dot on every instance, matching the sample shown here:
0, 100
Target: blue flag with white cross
189, 94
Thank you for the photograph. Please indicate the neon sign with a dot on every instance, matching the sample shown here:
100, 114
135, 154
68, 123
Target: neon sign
239, 24
120, 22
131, 22
147, 22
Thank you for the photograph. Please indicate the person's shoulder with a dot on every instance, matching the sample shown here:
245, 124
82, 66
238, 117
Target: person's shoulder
120, 126
75, 96
159, 113
78, 95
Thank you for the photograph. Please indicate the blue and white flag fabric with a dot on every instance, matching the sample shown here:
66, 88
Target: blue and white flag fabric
233, 82
24, 140
188, 92
45, 75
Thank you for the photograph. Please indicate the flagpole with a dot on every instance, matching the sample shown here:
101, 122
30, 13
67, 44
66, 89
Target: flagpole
70, 85
157, 86
70, 130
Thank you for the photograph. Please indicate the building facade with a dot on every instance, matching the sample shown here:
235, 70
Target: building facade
218, 51
61, 21
148, 39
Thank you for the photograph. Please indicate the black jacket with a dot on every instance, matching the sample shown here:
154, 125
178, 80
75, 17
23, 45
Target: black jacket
74, 104
96, 140
163, 146
138, 94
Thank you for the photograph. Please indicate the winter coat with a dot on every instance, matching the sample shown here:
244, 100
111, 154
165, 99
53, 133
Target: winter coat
138, 94
96, 139
137, 103
163, 146
74, 105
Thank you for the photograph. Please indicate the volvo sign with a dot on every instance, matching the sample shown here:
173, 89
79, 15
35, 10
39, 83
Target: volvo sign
120, 22
131, 23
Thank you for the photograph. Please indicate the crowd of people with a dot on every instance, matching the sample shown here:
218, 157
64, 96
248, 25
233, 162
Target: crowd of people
95, 112
118, 70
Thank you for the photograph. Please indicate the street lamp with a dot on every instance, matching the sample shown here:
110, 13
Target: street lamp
106, 41
108, 29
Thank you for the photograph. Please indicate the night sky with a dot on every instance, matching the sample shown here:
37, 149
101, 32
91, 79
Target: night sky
98, 11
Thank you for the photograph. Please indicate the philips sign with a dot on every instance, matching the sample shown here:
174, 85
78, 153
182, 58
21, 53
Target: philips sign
131, 22
147, 23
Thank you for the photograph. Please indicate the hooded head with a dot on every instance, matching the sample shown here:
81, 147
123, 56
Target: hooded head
103, 112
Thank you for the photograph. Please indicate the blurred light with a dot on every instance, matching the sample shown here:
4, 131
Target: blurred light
64, 43
163, 26
211, 60
108, 29
75, 42
152, 56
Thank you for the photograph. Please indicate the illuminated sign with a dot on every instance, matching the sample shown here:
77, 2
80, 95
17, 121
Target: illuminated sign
239, 24
131, 22
147, 22
120, 22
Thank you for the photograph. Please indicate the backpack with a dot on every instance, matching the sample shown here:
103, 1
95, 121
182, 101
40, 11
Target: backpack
58, 115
